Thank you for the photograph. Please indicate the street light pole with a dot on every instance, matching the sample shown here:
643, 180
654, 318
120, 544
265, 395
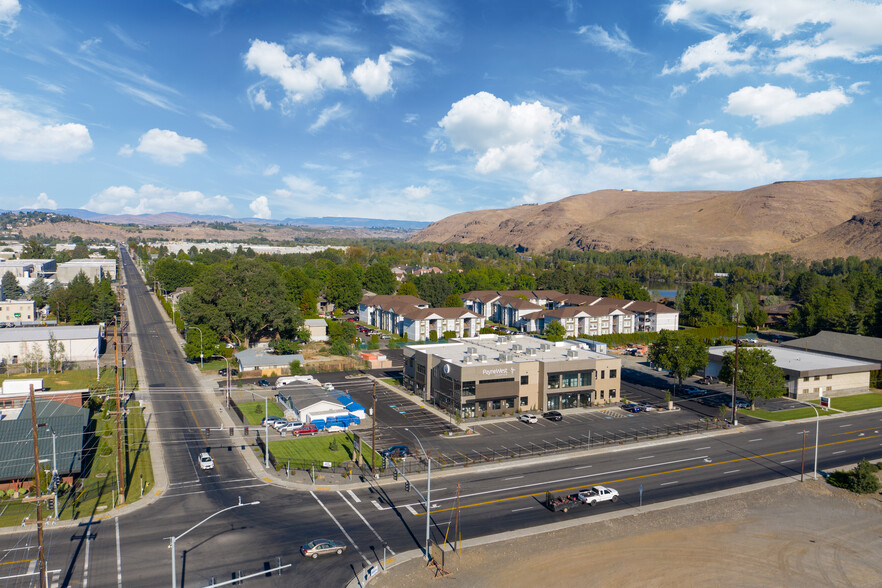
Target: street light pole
735, 377
175, 539
428, 491
817, 431
54, 464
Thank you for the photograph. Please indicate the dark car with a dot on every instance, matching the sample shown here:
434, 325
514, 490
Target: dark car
396, 451
319, 547
552, 415
263, 383
223, 371
631, 407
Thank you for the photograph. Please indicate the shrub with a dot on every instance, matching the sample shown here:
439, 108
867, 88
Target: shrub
860, 480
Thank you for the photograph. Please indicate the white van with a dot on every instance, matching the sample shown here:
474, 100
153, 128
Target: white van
285, 380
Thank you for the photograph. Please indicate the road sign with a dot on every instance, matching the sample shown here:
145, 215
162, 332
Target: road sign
825, 401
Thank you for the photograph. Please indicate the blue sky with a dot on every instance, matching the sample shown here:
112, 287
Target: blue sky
415, 110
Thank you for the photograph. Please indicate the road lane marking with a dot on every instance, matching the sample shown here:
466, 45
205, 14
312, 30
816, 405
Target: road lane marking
512, 478
752, 440
732, 472
838, 452
520, 509
86, 560
581, 468
410, 508
787, 461
354, 497
702, 448
172, 495
118, 557
646, 457
669, 483
364, 520
333, 518
377, 504
642, 476
848, 425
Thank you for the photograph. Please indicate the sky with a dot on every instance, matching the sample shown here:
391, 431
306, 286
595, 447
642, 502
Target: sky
415, 110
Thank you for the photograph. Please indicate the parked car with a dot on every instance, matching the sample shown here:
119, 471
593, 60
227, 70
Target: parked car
223, 371
270, 420
528, 418
396, 451
290, 426
279, 424
305, 430
263, 383
739, 402
319, 547
647, 406
335, 429
552, 415
630, 407
205, 461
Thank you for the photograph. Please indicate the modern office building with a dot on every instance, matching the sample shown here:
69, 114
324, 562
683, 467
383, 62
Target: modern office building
493, 374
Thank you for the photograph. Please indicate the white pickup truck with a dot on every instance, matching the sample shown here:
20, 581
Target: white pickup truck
598, 494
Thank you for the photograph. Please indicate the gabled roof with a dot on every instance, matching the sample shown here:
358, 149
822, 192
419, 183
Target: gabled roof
393, 302
482, 295
419, 314
518, 303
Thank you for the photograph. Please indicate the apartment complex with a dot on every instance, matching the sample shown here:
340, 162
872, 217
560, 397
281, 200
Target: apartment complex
533, 310
411, 316
493, 374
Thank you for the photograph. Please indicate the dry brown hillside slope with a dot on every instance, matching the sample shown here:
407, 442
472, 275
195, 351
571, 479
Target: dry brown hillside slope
811, 219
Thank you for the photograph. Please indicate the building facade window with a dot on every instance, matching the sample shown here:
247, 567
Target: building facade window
523, 401
525, 380
612, 393
612, 373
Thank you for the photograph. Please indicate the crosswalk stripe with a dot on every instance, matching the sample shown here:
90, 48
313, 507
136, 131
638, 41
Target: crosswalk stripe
354, 497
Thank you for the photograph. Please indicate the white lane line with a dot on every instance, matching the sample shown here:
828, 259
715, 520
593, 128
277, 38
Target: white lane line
364, 520
582, 467
838, 452
646, 457
354, 497
787, 461
731, 471
410, 508
520, 509
669, 483
702, 448
752, 440
209, 481
86, 560
169, 495
333, 518
118, 556
840, 426
512, 478
377, 504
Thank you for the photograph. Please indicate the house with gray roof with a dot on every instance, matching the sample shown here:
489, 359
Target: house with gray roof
262, 359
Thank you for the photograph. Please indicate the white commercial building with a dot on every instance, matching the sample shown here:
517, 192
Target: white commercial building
28, 268
808, 374
92, 268
81, 343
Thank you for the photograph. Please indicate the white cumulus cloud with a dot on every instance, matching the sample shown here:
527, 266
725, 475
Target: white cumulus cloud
713, 159
149, 199
303, 78
260, 207
773, 105
258, 96
42, 202
502, 136
9, 10
714, 57
165, 146
26, 137
374, 78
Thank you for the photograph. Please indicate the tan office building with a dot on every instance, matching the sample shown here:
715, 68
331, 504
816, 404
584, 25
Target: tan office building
492, 375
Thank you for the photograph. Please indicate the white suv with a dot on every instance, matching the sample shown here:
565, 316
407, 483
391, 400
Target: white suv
205, 461
528, 418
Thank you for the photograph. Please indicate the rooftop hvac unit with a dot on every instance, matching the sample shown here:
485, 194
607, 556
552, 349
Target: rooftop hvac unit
531, 351
517, 347
572, 353
482, 358
468, 359
545, 346
471, 350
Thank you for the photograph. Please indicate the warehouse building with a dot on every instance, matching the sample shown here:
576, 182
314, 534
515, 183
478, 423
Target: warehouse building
809, 374
92, 268
28, 268
493, 375
81, 343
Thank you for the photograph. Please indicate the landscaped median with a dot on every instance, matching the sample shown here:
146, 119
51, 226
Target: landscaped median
308, 452
838, 404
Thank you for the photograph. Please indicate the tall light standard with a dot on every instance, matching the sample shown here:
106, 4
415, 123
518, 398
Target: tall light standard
54, 481
265, 428
174, 539
817, 430
428, 491
228, 376
201, 365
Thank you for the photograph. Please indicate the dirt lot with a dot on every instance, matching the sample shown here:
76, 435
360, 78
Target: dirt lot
808, 534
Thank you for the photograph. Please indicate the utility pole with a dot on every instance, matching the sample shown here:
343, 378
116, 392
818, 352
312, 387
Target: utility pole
120, 464
735, 378
374, 428
37, 485
802, 469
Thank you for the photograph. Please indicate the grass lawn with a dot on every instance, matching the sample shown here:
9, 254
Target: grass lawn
79, 379
316, 449
856, 402
255, 411
782, 415
392, 381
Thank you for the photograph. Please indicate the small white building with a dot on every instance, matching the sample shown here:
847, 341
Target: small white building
81, 343
16, 311
318, 329
808, 374
92, 268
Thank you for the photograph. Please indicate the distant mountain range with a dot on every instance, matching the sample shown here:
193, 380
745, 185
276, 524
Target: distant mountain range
811, 220
180, 218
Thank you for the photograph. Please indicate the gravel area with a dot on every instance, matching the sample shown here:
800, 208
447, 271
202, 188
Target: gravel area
798, 534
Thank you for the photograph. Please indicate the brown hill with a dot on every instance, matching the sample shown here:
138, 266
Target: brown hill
811, 219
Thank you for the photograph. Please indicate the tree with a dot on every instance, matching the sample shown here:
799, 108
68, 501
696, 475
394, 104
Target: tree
340, 347
453, 301
33, 249
379, 279
56, 353
11, 289
434, 289
704, 305
555, 331
38, 291
678, 352
285, 346
174, 274
208, 344
104, 303
758, 376
343, 288
308, 303
408, 289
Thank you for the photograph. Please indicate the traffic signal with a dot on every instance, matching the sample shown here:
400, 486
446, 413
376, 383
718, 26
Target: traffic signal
385, 462
50, 503
231, 431
395, 475
208, 432
246, 431
406, 486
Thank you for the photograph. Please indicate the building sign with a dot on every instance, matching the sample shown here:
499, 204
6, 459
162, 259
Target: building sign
498, 371
17, 315
825, 401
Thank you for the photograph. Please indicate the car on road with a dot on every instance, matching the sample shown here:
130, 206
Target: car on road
631, 407
597, 494
528, 418
263, 383
319, 547
739, 402
396, 451
270, 420
205, 461
305, 430
223, 372
552, 415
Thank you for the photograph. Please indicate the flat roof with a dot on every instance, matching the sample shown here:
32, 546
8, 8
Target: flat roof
493, 345
11, 335
806, 362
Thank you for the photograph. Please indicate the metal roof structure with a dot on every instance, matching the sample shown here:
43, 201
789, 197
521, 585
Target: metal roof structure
42, 333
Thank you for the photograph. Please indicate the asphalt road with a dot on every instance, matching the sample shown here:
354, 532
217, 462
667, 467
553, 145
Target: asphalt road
133, 549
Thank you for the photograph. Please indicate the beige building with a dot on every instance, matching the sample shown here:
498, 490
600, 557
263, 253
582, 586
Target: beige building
92, 268
808, 374
16, 311
492, 375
